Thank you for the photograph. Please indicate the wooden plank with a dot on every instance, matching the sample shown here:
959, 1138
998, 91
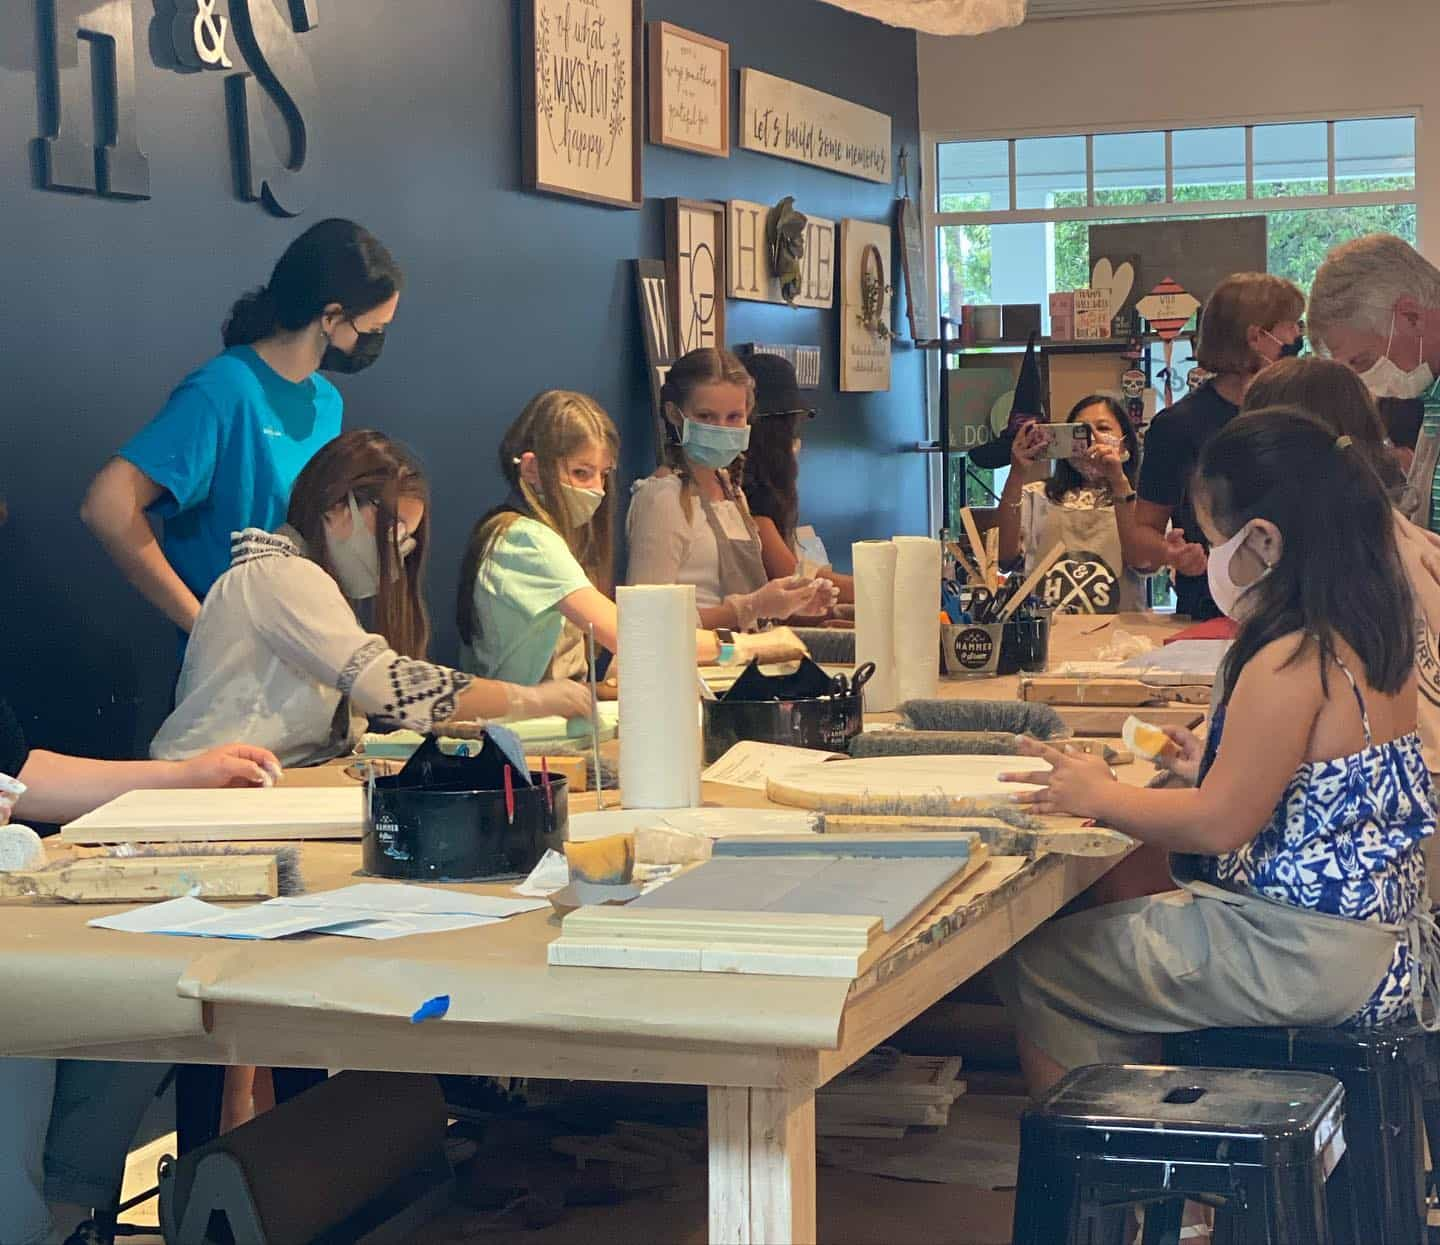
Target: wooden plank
142, 879
728, 1112
782, 1167
251, 813
1101, 721
832, 844
574, 769
1053, 690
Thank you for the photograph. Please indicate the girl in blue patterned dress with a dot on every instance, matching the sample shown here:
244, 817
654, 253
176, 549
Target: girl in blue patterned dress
1303, 897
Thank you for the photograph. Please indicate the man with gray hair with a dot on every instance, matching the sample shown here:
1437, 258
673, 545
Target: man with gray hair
1375, 306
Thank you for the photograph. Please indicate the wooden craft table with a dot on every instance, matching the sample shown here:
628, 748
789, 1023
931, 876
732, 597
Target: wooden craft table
762, 1045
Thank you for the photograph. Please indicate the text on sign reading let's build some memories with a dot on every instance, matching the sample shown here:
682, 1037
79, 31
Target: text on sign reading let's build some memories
798, 123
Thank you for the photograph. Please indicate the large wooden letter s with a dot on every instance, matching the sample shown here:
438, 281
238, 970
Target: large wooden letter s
111, 163
270, 42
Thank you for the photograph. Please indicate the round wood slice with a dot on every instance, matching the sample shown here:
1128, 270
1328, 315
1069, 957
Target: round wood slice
936, 786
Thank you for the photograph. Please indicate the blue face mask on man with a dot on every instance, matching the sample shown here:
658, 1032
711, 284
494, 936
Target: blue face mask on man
713, 445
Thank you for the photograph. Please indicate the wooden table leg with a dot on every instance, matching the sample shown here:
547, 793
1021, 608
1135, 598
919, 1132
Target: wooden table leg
762, 1166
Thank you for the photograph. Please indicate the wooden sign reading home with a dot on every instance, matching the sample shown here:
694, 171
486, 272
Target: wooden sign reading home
798, 123
749, 272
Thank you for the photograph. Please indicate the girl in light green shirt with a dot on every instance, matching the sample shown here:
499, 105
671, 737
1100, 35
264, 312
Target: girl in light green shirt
541, 559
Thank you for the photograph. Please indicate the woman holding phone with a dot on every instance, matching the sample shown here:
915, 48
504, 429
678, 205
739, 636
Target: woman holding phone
1077, 508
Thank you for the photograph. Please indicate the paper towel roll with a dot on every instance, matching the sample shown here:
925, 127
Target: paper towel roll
659, 698
917, 617
874, 563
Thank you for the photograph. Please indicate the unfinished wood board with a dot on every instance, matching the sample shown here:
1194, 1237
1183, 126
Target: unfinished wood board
925, 843
935, 786
1100, 721
251, 813
141, 879
891, 889
772, 943
1050, 690
762, 1166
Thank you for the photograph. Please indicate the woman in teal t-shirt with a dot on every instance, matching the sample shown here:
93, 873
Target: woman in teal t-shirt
540, 561
224, 452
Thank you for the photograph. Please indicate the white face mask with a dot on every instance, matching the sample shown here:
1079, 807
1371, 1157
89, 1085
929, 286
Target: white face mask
1386, 380
581, 503
1223, 588
356, 557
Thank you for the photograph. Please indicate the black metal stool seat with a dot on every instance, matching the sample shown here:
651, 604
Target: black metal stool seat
1377, 1195
1256, 1145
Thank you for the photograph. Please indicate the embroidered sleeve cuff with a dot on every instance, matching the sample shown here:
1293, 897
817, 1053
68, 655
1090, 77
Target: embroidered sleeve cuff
414, 694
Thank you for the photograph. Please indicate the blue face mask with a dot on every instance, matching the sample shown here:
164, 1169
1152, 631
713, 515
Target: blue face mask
713, 445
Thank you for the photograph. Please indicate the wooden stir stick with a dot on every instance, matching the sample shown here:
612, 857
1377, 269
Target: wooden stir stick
1022, 594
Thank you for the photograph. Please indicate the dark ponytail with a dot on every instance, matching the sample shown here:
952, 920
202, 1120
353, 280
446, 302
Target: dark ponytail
1339, 572
334, 261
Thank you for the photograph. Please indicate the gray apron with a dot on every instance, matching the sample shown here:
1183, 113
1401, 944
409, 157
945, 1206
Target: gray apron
742, 568
1090, 577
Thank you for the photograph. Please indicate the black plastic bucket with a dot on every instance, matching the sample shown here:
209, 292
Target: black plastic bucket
441, 834
827, 723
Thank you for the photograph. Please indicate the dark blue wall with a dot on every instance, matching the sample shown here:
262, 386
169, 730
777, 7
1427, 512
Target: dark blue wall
105, 305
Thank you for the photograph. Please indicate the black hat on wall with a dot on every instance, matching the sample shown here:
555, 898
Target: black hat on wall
1029, 403
777, 392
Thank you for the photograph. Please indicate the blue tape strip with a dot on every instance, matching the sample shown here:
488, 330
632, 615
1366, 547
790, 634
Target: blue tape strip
431, 1009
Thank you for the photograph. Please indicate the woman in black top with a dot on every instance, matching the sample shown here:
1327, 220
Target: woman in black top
1251, 320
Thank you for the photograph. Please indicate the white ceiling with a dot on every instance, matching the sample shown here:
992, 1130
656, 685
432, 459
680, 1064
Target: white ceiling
1042, 10
975, 17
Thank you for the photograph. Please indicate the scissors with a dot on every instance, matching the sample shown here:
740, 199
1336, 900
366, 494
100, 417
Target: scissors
983, 604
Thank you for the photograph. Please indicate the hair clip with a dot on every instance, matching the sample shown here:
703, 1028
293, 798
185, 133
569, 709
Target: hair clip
1344, 442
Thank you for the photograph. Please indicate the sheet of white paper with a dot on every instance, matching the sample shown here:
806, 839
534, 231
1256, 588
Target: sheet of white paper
750, 763
401, 899
194, 918
550, 875
403, 926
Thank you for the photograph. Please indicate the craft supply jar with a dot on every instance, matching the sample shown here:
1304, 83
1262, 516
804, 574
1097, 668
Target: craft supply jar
1026, 644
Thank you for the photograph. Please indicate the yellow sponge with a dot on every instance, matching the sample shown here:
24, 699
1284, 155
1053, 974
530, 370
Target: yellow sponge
610, 861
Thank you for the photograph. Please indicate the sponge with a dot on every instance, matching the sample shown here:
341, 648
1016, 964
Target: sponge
609, 861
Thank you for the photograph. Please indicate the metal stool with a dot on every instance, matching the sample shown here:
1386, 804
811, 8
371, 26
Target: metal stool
1377, 1196
1257, 1146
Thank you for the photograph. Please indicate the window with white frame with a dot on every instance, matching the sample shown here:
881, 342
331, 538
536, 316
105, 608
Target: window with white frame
1012, 216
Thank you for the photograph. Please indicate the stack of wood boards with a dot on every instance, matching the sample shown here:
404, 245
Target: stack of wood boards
822, 906
886, 1093
233, 814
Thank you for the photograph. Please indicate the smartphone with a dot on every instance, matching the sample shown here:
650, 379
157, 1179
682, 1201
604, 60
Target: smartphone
1065, 440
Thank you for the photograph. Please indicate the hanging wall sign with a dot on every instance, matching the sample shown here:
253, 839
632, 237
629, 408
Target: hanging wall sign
694, 260
689, 90
795, 122
583, 69
749, 273
865, 307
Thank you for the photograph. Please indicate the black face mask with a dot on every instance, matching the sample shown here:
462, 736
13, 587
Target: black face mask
1292, 350
366, 350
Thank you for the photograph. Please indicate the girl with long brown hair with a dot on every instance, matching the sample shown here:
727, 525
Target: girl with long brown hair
689, 522
772, 475
278, 655
543, 559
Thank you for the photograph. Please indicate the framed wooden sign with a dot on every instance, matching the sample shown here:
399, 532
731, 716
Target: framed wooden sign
796, 122
865, 306
583, 75
749, 274
689, 90
695, 272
